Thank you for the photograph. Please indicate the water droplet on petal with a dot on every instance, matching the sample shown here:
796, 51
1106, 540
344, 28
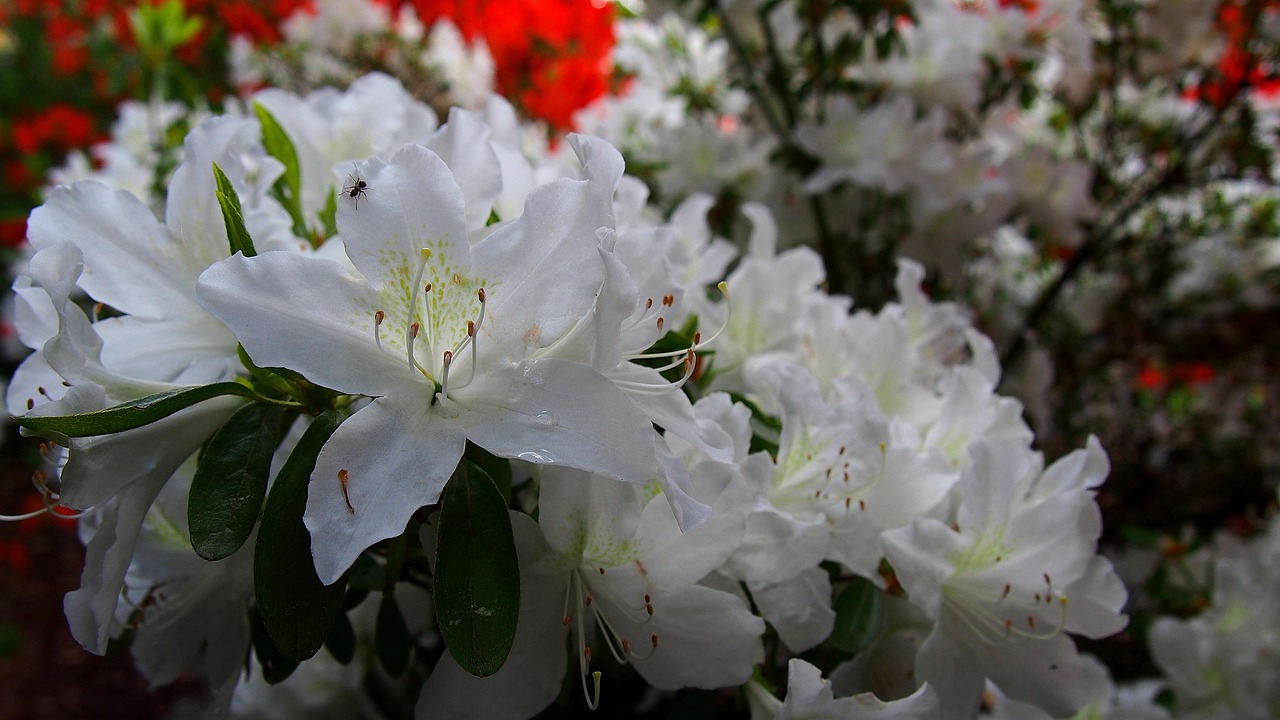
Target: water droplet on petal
536, 456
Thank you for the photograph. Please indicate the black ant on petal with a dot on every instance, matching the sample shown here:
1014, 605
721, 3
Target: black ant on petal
356, 189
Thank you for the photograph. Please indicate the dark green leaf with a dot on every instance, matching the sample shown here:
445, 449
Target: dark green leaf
477, 574
275, 666
297, 608
391, 637
857, 616
231, 479
129, 415
367, 574
232, 215
341, 642
498, 469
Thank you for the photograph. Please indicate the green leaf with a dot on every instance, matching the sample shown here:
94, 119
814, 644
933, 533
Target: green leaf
477, 575
275, 666
231, 479
391, 637
298, 610
366, 574
857, 616
341, 642
289, 186
232, 215
498, 469
129, 415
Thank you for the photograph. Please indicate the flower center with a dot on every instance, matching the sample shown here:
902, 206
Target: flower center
438, 323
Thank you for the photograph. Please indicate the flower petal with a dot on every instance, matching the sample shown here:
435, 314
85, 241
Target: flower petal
560, 413
306, 314
383, 463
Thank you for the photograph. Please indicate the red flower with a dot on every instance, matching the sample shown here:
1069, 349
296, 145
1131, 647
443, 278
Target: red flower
551, 56
13, 232
1151, 377
1192, 374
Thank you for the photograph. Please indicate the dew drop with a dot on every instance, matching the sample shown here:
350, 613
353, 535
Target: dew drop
536, 456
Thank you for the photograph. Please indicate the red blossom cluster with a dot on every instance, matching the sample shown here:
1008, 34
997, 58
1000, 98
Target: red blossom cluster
552, 56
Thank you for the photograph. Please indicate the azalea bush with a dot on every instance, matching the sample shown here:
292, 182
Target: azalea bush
799, 382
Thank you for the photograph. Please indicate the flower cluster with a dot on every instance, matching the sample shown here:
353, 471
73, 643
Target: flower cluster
442, 310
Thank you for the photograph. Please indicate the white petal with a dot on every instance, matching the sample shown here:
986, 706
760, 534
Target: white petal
396, 454
412, 202
555, 412
463, 144
131, 261
305, 314
545, 269
706, 638
799, 608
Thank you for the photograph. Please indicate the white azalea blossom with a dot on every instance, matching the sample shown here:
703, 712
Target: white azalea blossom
455, 340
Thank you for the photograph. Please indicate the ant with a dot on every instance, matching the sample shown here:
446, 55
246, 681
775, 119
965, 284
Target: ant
356, 189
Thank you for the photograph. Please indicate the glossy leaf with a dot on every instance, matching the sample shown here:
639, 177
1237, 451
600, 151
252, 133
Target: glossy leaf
129, 415
232, 215
231, 479
477, 574
299, 611
275, 666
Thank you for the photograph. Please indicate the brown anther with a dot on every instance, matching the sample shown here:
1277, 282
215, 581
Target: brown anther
862, 505
697, 338
668, 300
817, 494
378, 317
471, 328
566, 621
1007, 589
647, 599
648, 609
427, 287
840, 451
31, 403
448, 358
588, 601
342, 480
1031, 622
601, 570
480, 294
1047, 581
848, 502
586, 653
648, 303
413, 331
660, 322
626, 646
653, 639
1038, 597
828, 472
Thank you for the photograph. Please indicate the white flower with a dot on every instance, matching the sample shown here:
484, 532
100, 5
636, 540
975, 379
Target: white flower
455, 341
1009, 578
608, 565
810, 697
